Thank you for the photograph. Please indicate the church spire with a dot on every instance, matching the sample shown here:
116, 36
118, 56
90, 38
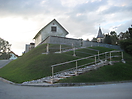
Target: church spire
100, 35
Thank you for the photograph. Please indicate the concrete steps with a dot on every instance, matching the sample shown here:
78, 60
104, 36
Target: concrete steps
66, 74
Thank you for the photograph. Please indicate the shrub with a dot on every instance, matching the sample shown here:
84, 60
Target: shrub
127, 45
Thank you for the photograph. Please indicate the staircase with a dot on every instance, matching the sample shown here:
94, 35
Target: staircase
77, 70
73, 72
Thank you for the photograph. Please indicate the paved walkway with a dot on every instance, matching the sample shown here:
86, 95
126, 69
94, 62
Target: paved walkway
108, 91
4, 62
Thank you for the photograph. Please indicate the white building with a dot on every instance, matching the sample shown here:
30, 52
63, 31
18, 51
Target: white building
13, 56
29, 47
51, 29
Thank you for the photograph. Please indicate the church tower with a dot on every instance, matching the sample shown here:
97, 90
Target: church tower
100, 36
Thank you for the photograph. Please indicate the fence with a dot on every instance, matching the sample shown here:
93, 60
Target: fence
62, 41
91, 44
76, 42
103, 57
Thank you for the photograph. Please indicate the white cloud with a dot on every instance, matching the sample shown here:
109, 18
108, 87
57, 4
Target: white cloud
20, 20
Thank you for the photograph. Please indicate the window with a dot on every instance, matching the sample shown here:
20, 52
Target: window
53, 29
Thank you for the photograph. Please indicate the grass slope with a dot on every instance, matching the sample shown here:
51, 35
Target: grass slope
116, 72
32, 65
35, 65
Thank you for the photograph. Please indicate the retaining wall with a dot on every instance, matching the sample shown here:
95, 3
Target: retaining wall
76, 42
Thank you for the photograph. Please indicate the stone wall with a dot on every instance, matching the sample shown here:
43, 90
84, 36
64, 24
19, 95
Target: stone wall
76, 42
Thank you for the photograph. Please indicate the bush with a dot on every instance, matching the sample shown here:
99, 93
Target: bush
127, 45
129, 49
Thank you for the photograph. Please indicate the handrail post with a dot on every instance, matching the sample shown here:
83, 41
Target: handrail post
110, 58
74, 53
110, 55
98, 55
122, 58
76, 69
95, 60
47, 48
60, 48
122, 55
52, 80
91, 44
72, 45
105, 57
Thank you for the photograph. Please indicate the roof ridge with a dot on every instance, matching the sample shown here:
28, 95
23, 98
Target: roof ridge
47, 25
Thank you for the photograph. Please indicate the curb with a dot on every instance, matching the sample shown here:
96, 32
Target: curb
78, 84
7, 81
66, 84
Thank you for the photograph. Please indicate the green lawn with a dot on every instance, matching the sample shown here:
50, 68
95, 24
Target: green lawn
35, 65
117, 72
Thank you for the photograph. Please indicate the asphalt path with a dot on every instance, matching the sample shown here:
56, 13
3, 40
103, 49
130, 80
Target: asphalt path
108, 91
4, 63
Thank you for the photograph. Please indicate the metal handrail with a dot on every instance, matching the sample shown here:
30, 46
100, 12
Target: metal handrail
82, 58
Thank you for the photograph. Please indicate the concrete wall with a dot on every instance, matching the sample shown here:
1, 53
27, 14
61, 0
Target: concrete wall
63, 41
91, 44
77, 42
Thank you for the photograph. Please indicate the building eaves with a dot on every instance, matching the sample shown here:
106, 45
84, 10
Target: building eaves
47, 25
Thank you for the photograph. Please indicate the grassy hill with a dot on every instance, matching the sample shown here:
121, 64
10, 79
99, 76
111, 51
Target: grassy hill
35, 65
116, 72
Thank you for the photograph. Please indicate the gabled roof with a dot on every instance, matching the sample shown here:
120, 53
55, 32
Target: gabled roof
47, 25
100, 35
14, 54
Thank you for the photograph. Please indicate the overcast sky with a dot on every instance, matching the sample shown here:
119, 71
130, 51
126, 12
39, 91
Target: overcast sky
20, 20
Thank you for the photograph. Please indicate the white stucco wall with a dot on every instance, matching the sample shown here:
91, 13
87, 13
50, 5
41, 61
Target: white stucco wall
38, 40
13, 57
100, 39
47, 31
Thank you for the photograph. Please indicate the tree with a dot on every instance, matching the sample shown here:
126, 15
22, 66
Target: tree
94, 39
114, 38
126, 44
123, 36
107, 39
130, 31
113, 33
4, 49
